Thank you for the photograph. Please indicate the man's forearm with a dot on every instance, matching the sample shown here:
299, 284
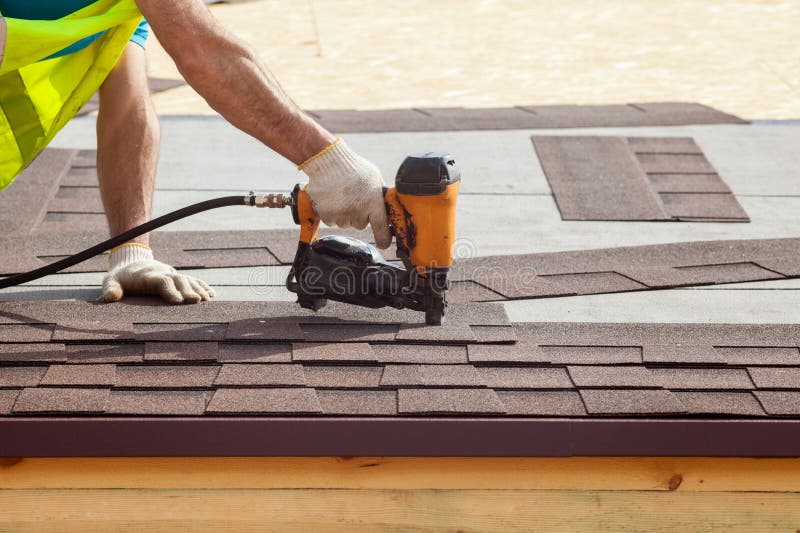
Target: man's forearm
232, 79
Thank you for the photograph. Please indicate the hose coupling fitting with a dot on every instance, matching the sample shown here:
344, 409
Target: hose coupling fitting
278, 200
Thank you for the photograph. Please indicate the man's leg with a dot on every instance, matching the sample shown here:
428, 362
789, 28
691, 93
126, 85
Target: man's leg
3, 31
127, 144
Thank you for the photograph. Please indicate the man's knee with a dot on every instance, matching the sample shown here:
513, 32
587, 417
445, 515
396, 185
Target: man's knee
126, 91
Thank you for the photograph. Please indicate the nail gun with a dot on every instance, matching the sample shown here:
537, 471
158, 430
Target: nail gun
421, 209
422, 215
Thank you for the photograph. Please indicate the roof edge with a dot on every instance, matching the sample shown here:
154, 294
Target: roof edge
362, 436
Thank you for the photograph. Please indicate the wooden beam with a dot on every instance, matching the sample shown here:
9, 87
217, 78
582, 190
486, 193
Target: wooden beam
577, 473
336, 510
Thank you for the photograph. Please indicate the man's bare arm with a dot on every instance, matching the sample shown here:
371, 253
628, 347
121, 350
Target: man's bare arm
232, 79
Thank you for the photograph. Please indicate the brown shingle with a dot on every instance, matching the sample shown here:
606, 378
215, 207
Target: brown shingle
448, 332
7, 399
180, 351
680, 354
358, 402
596, 178
766, 377
179, 332
265, 329
322, 332
525, 378
80, 375
752, 355
264, 401
595, 282
166, 377
630, 402
702, 378
420, 353
720, 403
63, 400
156, 403
260, 374
21, 376
671, 163
520, 352
542, 403
703, 206
46, 352
92, 330
255, 353
494, 333
596, 355
780, 402
448, 401
431, 376
612, 376
341, 352
26, 332
105, 353
361, 377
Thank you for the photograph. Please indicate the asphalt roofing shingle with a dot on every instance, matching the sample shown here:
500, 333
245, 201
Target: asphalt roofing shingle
80, 375
720, 403
21, 376
525, 377
342, 352
766, 377
358, 402
179, 332
702, 378
448, 401
7, 399
283, 401
612, 376
265, 375
180, 351
630, 401
356, 376
780, 403
61, 400
681, 354
104, 353
30, 352
349, 332
611, 178
156, 403
542, 403
593, 355
255, 353
26, 332
422, 354
166, 377
750, 355
519, 352
431, 375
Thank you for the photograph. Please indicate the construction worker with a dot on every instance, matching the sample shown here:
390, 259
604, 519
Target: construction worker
100, 45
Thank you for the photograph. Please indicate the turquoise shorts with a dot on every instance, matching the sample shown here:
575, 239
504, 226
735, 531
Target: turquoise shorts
55, 9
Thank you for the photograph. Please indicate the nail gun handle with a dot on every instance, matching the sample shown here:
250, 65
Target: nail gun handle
304, 214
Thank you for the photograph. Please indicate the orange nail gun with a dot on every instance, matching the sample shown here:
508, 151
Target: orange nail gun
421, 208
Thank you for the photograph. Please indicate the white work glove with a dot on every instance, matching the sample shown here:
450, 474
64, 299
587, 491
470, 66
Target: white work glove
347, 191
132, 270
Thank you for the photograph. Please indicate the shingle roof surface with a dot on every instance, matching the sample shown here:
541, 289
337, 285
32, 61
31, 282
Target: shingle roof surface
546, 369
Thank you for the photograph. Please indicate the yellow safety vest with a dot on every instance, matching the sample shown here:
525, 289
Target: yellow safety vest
37, 98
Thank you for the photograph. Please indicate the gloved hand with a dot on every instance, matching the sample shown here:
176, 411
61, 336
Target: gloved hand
347, 191
132, 270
